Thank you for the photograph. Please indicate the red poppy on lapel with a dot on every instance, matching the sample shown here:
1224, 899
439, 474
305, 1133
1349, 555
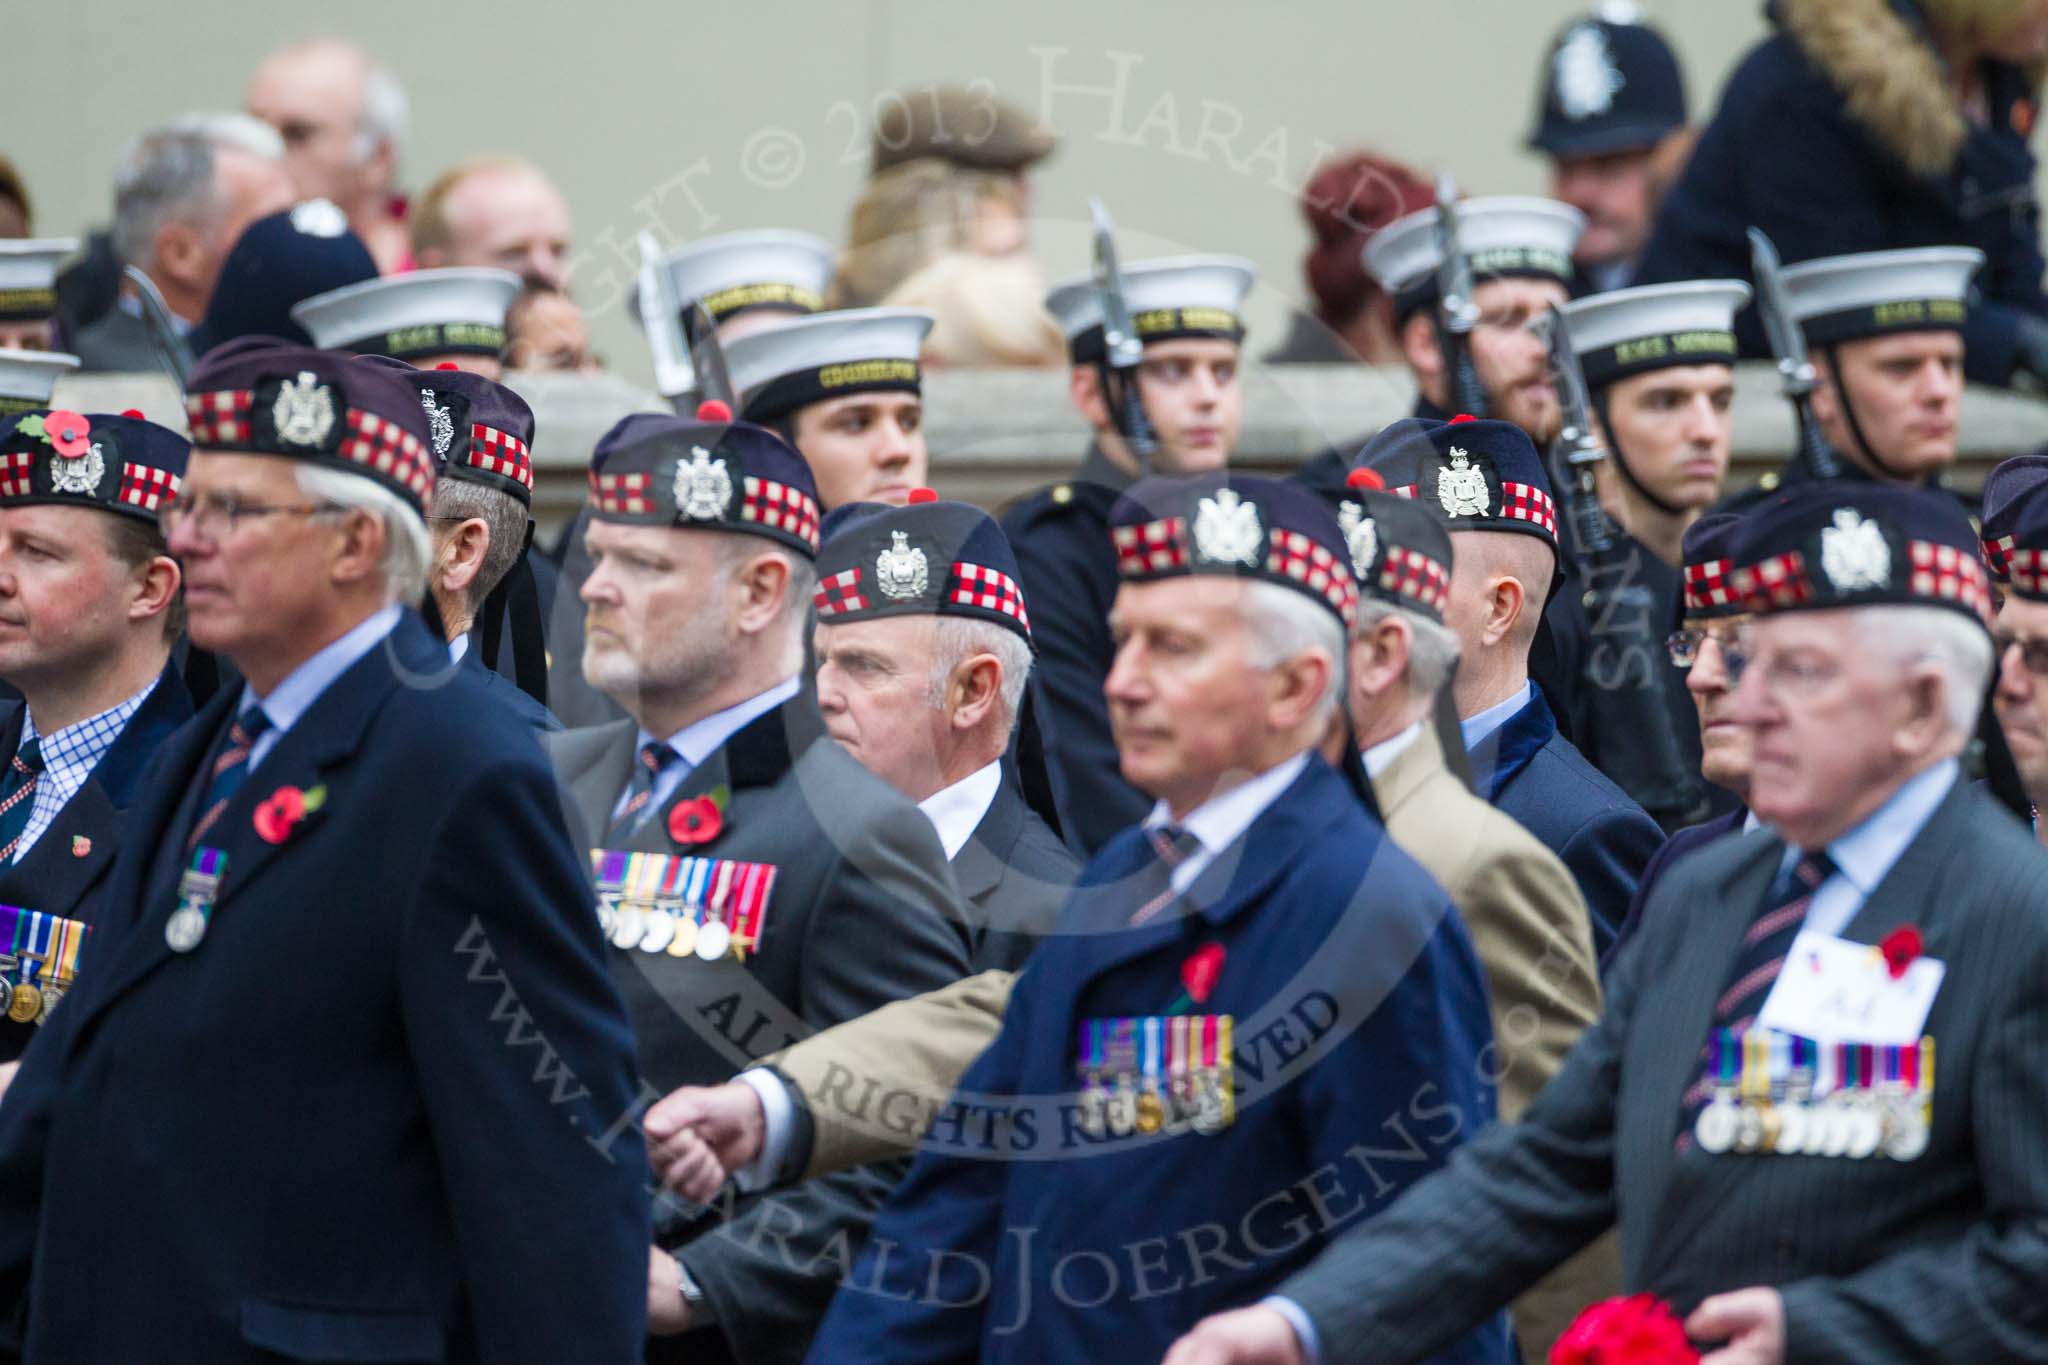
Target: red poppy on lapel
1900, 947
286, 808
696, 821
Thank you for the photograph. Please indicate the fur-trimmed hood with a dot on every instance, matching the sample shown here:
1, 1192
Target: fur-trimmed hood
1891, 79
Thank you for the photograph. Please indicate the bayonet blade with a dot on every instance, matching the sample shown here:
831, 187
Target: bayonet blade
1119, 334
1454, 270
1774, 310
661, 317
714, 379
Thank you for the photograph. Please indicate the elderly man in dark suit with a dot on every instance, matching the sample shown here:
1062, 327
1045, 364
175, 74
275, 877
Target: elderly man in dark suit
1487, 482
1759, 1108
345, 1008
756, 883
89, 609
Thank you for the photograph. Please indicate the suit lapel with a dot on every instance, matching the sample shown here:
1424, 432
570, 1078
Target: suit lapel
70, 856
1502, 755
168, 706
986, 855
1409, 773
595, 790
1910, 892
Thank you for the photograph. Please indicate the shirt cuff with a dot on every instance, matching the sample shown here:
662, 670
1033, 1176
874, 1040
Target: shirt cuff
777, 1113
1304, 1330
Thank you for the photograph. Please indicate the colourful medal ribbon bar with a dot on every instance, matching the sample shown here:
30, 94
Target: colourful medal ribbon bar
70, 942
610, 867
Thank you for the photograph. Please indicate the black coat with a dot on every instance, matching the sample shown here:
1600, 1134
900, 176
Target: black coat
1788, 151
355, 1123
1017, 873
65, 872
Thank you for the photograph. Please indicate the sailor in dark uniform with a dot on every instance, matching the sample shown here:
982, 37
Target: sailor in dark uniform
1658, 363
1885, 332
89, 610
1186, 310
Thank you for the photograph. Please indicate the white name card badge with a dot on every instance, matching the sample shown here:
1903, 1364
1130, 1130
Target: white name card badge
1835, 991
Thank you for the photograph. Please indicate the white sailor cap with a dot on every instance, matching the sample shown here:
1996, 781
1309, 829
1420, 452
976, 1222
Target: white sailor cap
857, 350
1169, 298
735, 272
1872, 293
28, 276
1502, 235
28, 378
1655, 326
457, 311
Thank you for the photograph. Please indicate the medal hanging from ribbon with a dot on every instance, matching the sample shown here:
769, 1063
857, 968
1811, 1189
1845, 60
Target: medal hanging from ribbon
1779, 1094
681, 906
1155, 1073
198, 887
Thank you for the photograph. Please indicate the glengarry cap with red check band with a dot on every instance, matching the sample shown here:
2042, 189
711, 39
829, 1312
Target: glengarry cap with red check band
931, 558
1477, 475
120, 464
2022, 537
1236, 526
1852, 543
1400, 552
1708, 556
270, 398
713, 474
478, 429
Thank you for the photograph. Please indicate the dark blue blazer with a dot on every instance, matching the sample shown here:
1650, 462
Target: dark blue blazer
1786, 152
502, 687
1068, 566
356, 1123
65, 873
1359, 1013
1680, 843
1532, 773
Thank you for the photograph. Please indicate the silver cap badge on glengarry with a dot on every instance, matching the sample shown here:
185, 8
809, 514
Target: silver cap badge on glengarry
900, 570
1462, 488
1853, 554
1227, 530
1360, 535
441, 421
703, 488
79, 474
304, 411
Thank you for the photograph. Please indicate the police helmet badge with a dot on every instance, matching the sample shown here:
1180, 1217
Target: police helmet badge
1584, 74
900, 570
1360, 535
1227, 530
304, 411
1853, 554
703, 488
441, 421
80, 474
1462, 487
319, 218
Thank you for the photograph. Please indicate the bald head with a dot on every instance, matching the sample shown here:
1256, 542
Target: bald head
1499, 582
342, 117
495, 211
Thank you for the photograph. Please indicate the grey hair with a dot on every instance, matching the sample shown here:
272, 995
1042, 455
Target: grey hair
1909, 634
386, 113
958, 638
503, 515
407, 550
166, 175
1284, 625
1432, 646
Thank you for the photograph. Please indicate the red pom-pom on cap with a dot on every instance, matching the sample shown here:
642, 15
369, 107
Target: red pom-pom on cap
136, 413
1463, 417
711, 410
1364, 478
918, 495
447, 365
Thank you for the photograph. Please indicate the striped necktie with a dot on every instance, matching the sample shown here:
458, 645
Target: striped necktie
1765, 946
654, 759
18, 795
230, 767
1152, 885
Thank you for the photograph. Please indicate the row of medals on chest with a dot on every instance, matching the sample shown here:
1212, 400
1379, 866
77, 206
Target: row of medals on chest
1788, 1119
658, 927
1120, 1104
28, 1003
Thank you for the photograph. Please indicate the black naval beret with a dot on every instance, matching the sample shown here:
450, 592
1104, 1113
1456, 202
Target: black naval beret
271, 398
1707, 552
1239, 525
655, 469
1853, 543
931, 558
2008, 489
1611, 84
478, 429
291, 255
1400, 552
121, 464
960, 124
1479, 475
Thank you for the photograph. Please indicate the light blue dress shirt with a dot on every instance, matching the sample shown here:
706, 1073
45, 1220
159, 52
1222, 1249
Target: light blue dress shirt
1477, 728
303, 686
700, 739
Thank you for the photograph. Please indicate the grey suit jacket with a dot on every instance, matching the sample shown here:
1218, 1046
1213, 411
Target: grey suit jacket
118, 342
863, 912
1940, 1259
1017, 873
